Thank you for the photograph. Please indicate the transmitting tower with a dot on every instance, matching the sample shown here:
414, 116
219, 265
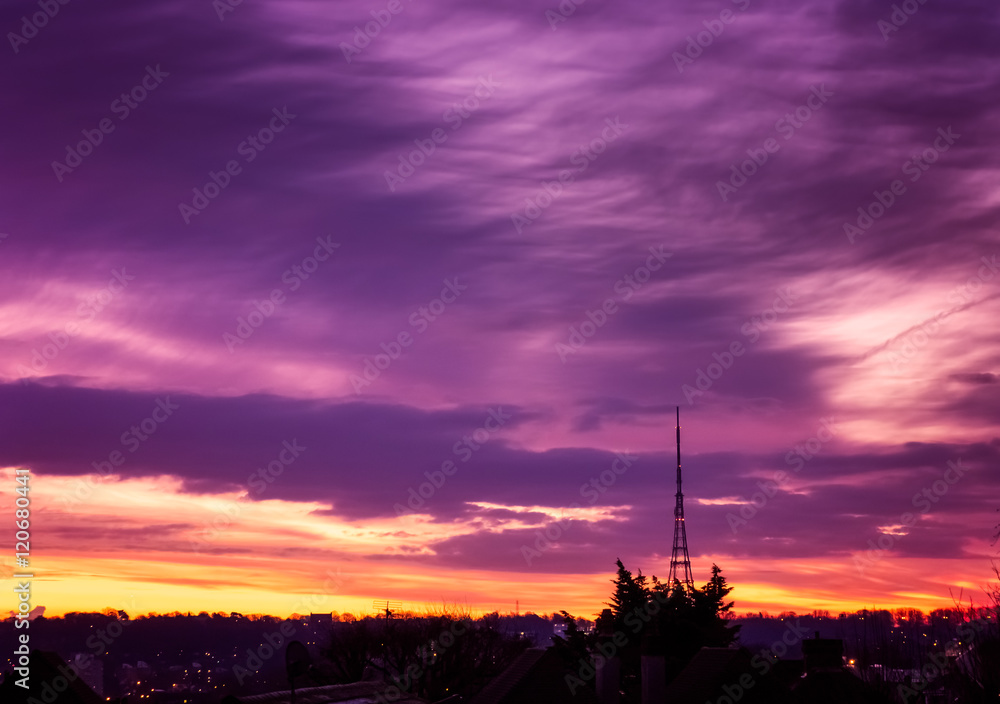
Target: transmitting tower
680, 563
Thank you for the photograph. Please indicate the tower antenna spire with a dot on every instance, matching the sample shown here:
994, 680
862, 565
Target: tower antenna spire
680, 562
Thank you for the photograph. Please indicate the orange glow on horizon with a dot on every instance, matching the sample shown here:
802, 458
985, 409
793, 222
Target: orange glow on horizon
138, 555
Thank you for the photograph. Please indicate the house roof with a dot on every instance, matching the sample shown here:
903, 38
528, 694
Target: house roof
536, 677
44, 671
836, 687
354, 693
711, 669
708, 669
502, 684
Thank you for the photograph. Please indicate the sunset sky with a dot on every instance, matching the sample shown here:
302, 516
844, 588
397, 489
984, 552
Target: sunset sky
309, 304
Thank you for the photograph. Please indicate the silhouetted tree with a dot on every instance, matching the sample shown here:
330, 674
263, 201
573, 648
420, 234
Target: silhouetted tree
575, 647
712, 614
630, 593
666, 617
351, 649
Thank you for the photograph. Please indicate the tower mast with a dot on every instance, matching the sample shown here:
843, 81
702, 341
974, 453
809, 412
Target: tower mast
680, 562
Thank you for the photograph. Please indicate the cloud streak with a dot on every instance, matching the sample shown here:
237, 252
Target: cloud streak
478, 113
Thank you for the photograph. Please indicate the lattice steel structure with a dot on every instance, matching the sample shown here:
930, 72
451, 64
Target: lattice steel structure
680, 562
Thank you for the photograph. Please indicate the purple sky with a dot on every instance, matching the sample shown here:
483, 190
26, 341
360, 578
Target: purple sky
559, 221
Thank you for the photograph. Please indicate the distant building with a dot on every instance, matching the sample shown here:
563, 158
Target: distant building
319, 626
320, 620
91, 671
826, 680
51, 681
560, 626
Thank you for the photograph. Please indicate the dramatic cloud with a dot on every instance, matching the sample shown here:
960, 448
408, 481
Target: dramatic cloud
415, 296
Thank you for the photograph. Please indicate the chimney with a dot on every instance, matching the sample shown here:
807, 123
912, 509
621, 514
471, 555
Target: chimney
823, 654
653, 673
609, 675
